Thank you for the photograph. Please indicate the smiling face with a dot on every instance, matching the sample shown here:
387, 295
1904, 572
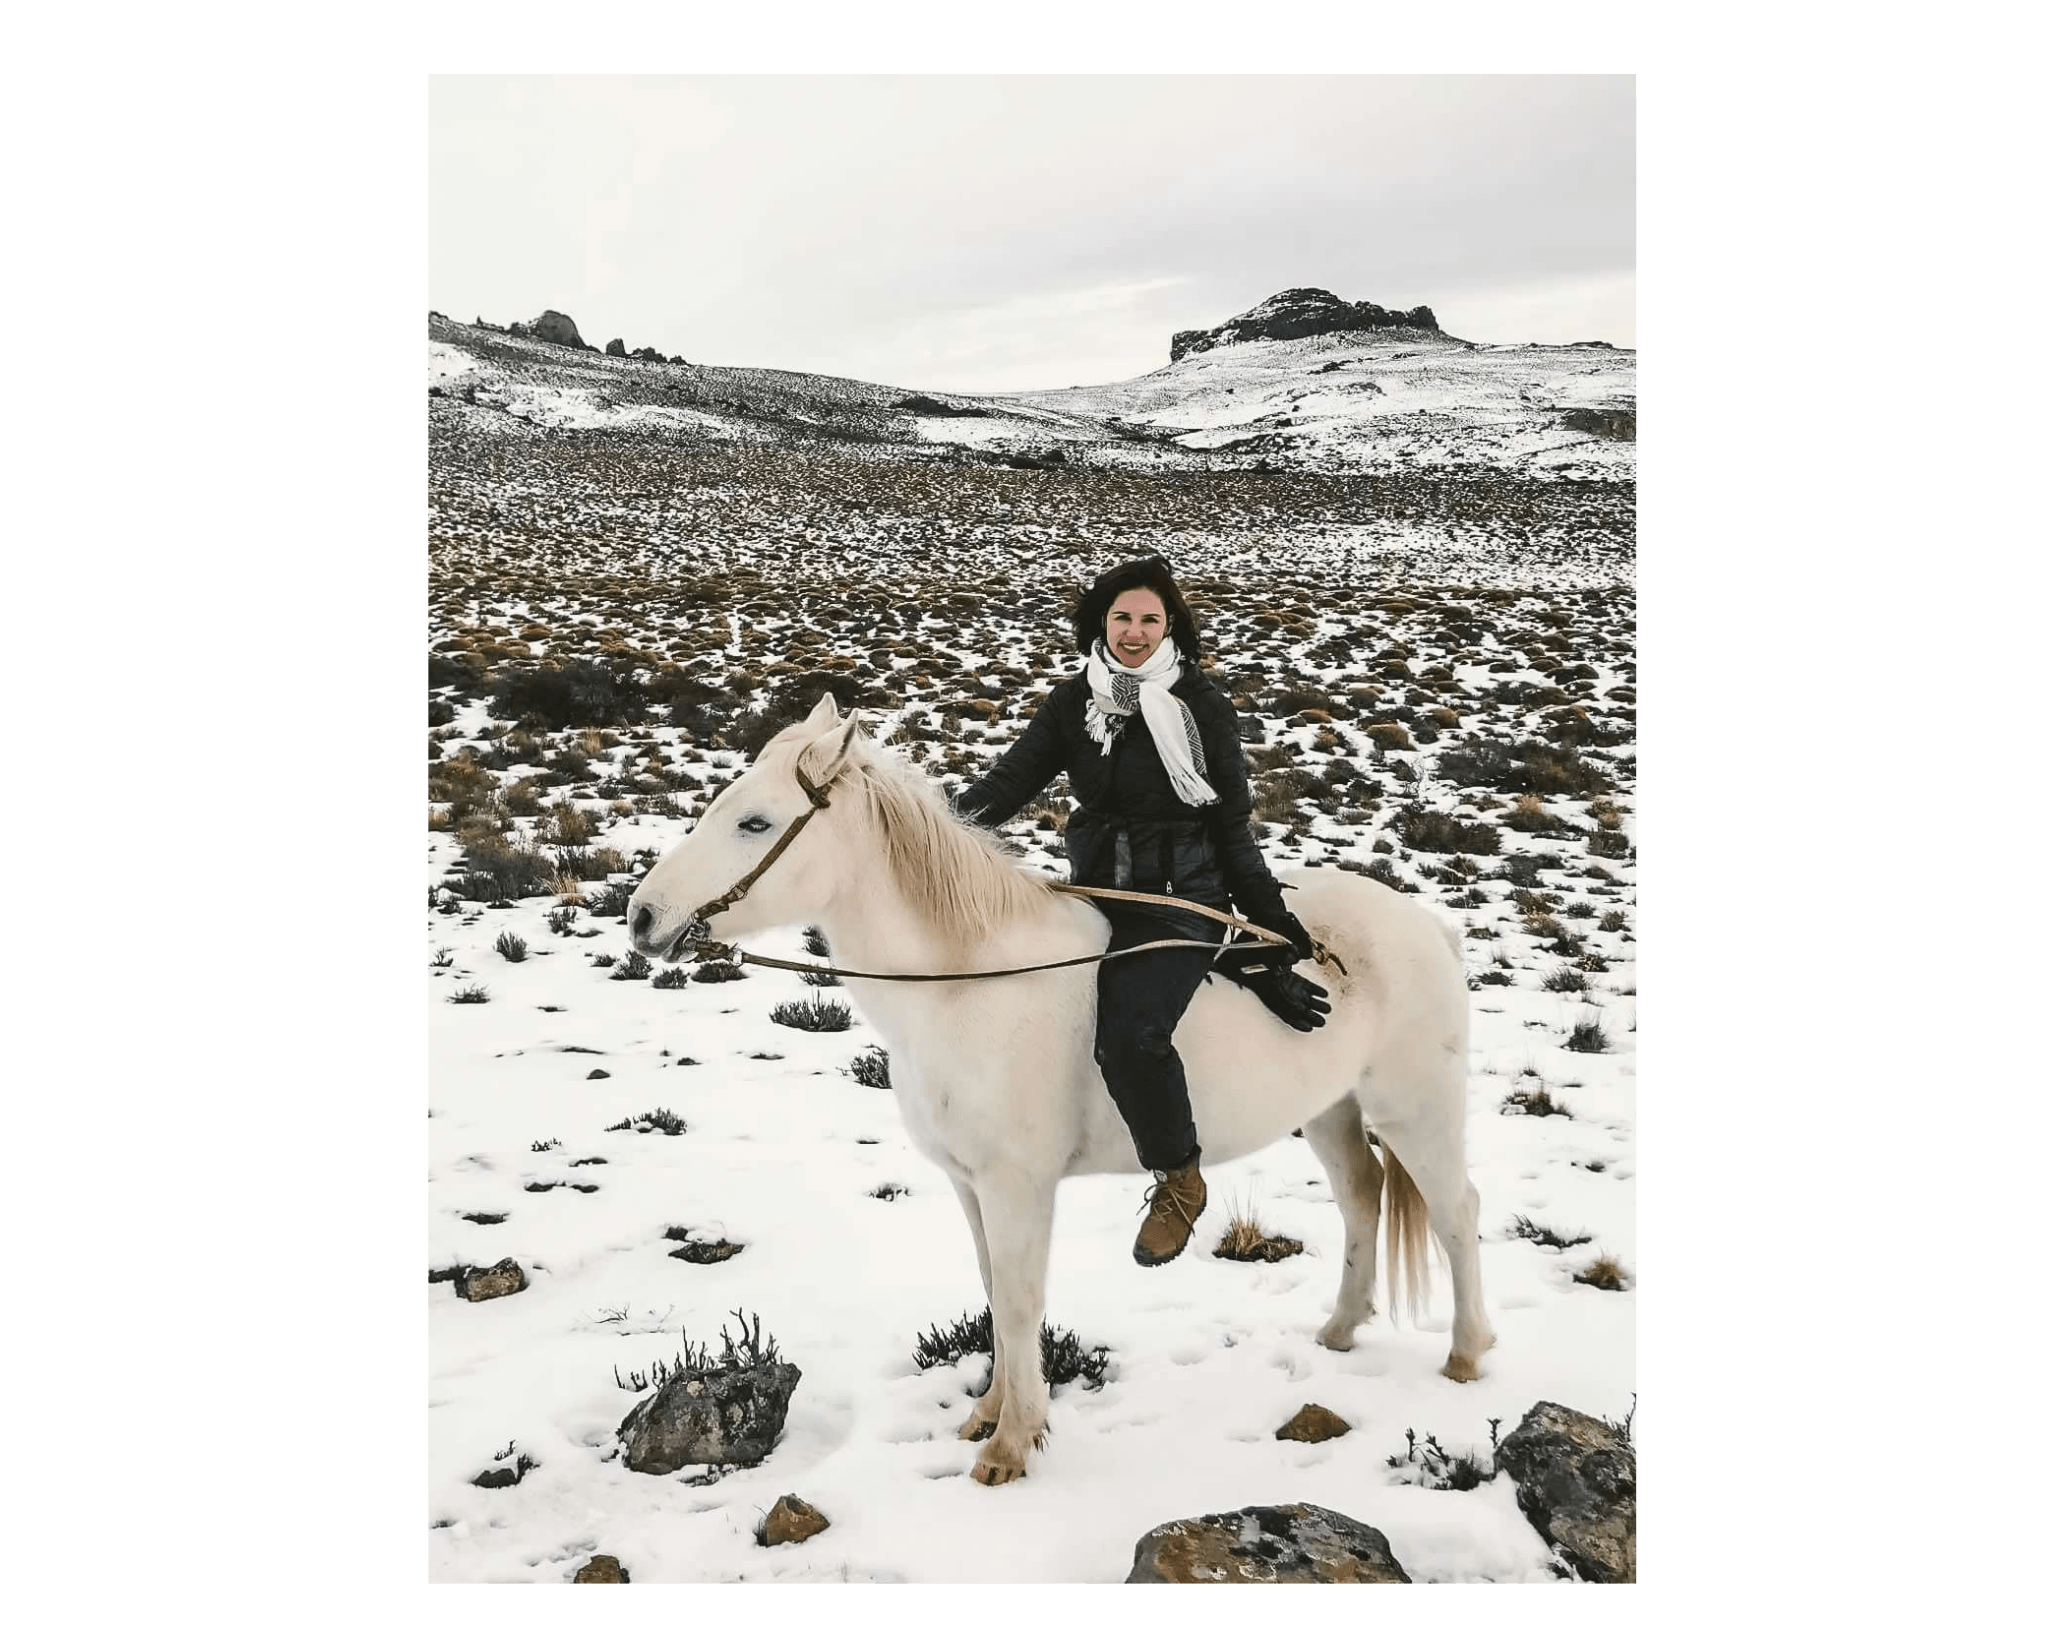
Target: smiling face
1136, 622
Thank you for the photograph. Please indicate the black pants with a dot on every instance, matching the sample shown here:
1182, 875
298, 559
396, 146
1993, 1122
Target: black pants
1138, 1002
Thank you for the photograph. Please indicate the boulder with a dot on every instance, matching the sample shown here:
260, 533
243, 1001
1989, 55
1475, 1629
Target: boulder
501, 1279
728, 1415
652, 355
1303, 311
1266, 1544
1575, 1479
1314, 1423
616, 347
791, 1522
558, 328
602, 1570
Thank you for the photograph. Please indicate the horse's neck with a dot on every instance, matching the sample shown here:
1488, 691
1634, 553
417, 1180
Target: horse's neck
873, 925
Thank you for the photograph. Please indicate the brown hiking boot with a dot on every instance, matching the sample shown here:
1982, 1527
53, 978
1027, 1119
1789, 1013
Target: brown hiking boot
1176, 1200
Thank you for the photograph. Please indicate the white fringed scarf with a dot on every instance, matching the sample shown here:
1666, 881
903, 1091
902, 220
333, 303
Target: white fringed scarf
1116, 691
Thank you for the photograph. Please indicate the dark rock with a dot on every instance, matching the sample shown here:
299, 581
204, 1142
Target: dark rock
791, 1522
1303, 311
599, 1075
519, 328
1607, 424
723, 1415
1575, 1479
501, 1279
924, 404
602, 1570
1314, 1423
1277, 1544
616, 347
558, 328
651, 354
706, 1253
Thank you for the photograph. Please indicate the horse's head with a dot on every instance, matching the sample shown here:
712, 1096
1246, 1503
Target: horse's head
735, 834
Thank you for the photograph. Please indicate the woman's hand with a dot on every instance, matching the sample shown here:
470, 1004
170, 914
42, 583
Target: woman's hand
1295, 998
1284, 922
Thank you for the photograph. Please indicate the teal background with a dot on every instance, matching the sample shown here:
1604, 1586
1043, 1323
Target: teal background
218, 603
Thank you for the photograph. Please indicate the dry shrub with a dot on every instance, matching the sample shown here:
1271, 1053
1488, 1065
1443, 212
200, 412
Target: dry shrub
1534, 1102
1244, 1239
571, 826
1606, 1272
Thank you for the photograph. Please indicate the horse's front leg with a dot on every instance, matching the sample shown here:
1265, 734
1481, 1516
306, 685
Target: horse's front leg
1016, 1217
982, 1421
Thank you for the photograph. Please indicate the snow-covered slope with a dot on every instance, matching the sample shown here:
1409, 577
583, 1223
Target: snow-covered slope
1362, 401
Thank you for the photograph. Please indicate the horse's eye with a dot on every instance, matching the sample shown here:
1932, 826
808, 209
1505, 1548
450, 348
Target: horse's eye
756, 823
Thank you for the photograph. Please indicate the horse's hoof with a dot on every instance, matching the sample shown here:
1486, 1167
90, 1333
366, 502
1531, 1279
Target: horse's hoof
993, 1472
1335, 1338
977, 1429
1461, 1368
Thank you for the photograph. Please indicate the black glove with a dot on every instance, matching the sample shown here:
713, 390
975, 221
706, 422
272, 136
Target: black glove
1299, 1001
1281, 921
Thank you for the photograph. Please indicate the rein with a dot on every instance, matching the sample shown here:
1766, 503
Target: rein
817, 794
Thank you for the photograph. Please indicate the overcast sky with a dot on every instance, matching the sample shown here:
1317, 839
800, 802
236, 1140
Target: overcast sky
1000, 233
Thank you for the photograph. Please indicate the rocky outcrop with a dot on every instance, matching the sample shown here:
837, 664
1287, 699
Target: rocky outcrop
1610, 423
616, 347
1575, 1479
1304, 311
923, 404
602, 1570
560, 329
1261, 1544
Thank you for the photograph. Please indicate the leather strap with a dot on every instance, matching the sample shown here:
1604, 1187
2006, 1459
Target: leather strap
817, 794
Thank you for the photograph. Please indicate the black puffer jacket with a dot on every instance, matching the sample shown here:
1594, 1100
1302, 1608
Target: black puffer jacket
1132, 830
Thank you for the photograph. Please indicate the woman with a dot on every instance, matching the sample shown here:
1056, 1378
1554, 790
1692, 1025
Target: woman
1150, 746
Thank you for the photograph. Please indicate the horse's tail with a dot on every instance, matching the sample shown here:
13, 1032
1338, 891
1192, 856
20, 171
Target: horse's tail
1407, 1218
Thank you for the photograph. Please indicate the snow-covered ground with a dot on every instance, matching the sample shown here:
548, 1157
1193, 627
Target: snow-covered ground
1477, 611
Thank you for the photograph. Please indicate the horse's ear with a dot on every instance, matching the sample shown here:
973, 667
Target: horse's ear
829, 751
844, 744
825, 714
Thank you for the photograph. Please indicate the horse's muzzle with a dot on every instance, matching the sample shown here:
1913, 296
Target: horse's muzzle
694, 932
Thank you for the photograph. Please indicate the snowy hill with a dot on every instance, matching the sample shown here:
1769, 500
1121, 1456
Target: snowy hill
1359, 401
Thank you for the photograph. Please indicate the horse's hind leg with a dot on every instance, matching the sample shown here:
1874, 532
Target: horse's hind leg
982, 1420
1016, 1213
1433, 1153
1338, 1139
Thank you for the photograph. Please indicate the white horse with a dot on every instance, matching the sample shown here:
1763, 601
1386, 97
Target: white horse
997, 1079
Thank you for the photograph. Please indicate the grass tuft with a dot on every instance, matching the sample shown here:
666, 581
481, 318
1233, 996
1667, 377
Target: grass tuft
813, 1014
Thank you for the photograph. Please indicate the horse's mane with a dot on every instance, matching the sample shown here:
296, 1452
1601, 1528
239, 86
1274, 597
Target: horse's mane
957, 876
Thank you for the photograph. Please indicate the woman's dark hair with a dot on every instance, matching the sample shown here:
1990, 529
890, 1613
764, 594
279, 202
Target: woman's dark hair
1091, 609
